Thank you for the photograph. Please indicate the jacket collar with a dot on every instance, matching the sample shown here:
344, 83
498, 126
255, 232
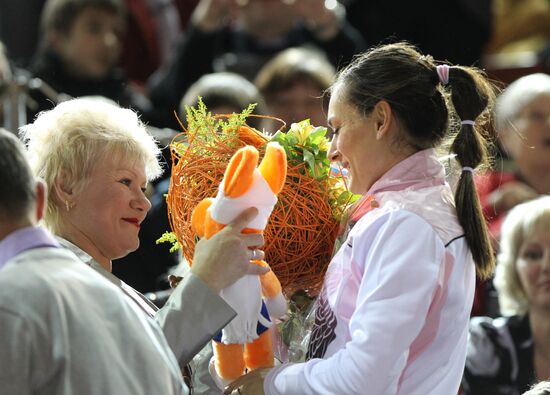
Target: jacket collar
420, 170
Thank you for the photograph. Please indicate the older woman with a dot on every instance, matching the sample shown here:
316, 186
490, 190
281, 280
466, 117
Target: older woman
522, 120
522, 116
508, 354
96, 159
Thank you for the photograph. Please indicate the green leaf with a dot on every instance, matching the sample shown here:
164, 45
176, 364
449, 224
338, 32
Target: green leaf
310, 162
316, 136
169, 237
291, 139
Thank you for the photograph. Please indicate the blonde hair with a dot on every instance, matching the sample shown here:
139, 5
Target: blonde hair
70, 139
521, 222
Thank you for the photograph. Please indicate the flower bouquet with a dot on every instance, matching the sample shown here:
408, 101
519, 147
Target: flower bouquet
303, 227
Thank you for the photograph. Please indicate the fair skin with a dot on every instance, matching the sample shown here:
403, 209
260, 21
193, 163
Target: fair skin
528, 143
105, 216
266, 19
93, 44
365, 146
301, 101
533, 268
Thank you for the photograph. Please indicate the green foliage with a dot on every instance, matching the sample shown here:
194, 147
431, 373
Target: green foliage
305, 143
169, 237
308, 144
208, 128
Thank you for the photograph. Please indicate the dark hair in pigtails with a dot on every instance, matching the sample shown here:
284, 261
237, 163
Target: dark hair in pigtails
472, 96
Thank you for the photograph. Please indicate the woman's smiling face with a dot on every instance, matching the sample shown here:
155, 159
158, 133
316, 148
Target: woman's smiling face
533, 267
354, 142
107, 212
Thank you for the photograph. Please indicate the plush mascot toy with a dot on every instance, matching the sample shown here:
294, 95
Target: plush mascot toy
246, 341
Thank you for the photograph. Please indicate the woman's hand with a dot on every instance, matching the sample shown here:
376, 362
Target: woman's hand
225, 257
323, 22
250, 384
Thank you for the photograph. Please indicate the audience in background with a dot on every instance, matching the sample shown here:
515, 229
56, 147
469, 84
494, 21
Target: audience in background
507, 355
293, 84
519, 26
522, 116
153, 29
521, 171
225, 93
241, 36
80, 48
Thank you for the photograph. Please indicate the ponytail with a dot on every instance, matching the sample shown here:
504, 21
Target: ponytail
472, 96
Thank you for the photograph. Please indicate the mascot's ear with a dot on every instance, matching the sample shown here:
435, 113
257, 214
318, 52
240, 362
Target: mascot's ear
273, 167
239, 174
199, 215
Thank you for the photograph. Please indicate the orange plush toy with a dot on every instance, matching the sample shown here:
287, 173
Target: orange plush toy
246, 341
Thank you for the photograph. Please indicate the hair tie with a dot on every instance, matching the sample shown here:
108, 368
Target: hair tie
467, 122
443, 73
467, 168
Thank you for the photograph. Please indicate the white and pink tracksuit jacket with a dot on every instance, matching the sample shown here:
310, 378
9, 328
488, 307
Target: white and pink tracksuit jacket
393, 314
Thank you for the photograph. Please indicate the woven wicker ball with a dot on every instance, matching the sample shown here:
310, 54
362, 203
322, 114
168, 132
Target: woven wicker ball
301, 231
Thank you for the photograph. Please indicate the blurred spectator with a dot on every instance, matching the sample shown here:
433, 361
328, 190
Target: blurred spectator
519, 42
522, 116
293, 84
81, 44
153, 28
241, 35
519, 25
522, 119
453, 30
225, 93
508, 354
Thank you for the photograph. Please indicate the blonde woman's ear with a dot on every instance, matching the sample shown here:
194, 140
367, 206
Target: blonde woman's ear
63, 193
